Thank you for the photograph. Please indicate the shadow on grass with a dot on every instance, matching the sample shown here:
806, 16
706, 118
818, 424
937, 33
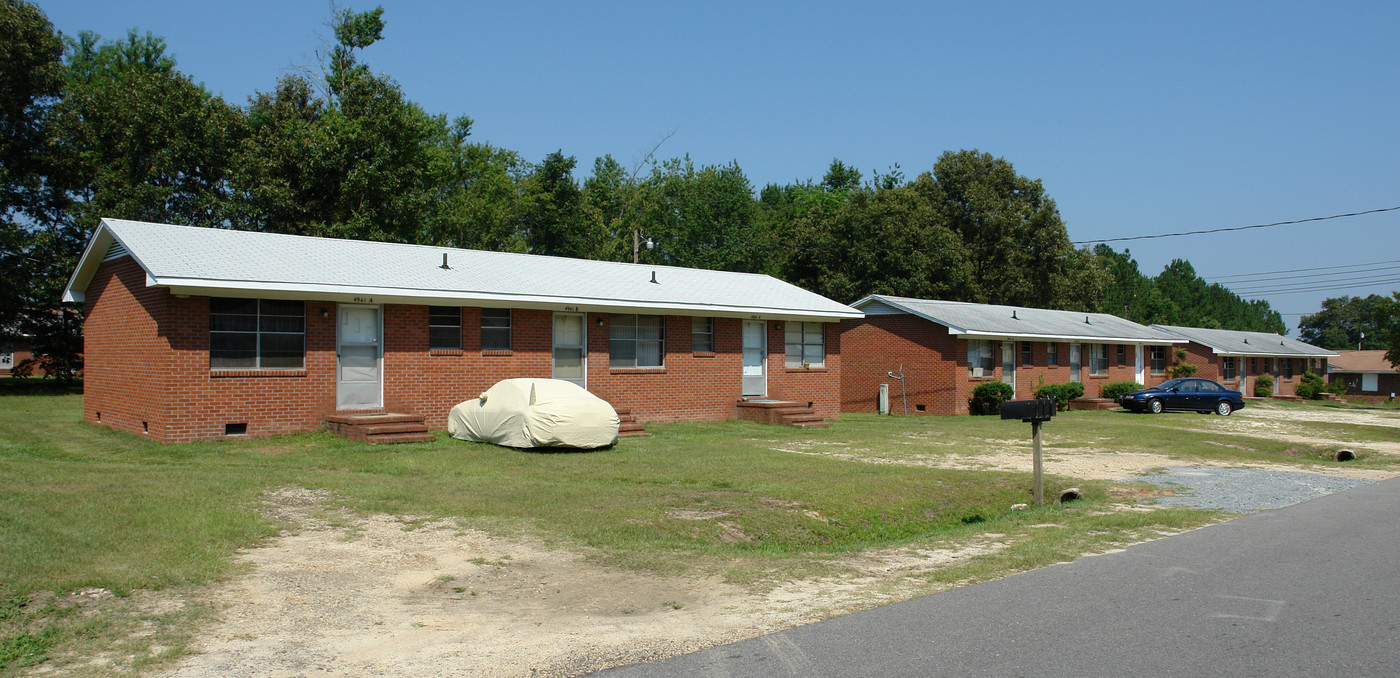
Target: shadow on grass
39, 386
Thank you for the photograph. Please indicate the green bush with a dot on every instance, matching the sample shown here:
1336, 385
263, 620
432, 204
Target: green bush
988, 397
1310, 387
1062, 393
1338, 387
1263, 386
1114, 389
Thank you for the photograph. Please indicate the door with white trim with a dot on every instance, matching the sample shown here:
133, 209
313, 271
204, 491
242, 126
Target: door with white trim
1008, 365
1074, 363
755, 358
1138, 375
571, 348
359, 382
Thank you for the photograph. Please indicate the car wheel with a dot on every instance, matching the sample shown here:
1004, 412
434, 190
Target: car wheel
1155, 407
1223, 408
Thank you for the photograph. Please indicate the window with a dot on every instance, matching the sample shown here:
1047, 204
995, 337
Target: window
1157, 359
495, 329
1027, 354
1254, 366
702, 335
1052, 354
1122, 355
806, 344
1098, 359
444, 327
1208, 387
1287, 368
1227, 368
979, 358
256, 334
635, 341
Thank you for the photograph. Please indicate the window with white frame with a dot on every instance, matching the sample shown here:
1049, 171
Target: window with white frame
1227, 368
1157, 359
495, 329
1098, 360
702, 335
805, 344
636, 340
1027, 353
444, 327
256, 334
980, 360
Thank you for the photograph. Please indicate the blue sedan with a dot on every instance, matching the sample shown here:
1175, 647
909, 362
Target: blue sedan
1199, 395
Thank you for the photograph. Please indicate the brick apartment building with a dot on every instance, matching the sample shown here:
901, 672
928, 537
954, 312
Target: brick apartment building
1367, 374
1236, 358
196, 333
946, 348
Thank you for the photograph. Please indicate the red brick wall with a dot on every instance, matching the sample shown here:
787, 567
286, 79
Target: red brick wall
936, 366
124, 380
148, 367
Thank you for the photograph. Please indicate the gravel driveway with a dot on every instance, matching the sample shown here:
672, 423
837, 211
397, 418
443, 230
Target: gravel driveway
1244, 490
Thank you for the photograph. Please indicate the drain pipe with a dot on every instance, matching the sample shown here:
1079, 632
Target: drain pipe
903, 392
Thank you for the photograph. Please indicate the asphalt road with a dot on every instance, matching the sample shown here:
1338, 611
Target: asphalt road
1309, 589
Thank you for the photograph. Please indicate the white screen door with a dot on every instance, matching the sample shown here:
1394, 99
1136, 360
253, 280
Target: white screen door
755, 358
1008, 365
570, 354
359, 360
1074, 362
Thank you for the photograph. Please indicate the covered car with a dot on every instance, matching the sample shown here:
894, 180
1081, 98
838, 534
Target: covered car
1201, 395
535, 413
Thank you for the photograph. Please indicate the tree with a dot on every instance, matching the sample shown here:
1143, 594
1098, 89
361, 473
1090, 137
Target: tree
1343, 321
1388, 323
1018, 246
555, 224
31, 78
1196, 303
346, 157
878, 242
1129, 294
703, 218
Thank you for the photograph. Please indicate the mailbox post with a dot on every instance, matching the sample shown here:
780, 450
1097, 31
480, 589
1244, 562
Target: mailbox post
1036, 412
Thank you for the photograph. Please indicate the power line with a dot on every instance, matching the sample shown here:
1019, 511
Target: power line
1242, 276
1319, 288
1235, 228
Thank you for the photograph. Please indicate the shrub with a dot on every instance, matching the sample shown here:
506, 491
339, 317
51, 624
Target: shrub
1181, 368
1310, 387
1338, 387
1062, 393
988, 397
1118, 388
1263, 386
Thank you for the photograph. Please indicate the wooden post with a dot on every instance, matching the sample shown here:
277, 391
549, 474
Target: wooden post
1039, 487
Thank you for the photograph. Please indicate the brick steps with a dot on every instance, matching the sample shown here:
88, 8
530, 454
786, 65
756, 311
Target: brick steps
780, 413
628, 426
380, 427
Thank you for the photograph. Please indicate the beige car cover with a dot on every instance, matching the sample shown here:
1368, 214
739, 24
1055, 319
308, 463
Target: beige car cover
535, 413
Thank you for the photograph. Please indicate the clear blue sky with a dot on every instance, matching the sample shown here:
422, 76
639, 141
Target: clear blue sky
1140, 118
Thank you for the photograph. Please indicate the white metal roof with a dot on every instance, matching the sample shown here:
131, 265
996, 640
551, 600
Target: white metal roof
994, 321
1238, 342
221, 262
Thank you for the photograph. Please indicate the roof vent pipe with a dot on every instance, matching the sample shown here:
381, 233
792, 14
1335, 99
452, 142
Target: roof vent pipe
653, 278
1013, 314
444, 265
1086, 320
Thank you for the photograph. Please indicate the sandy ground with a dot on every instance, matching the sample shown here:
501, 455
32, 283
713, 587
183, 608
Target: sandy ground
386, 596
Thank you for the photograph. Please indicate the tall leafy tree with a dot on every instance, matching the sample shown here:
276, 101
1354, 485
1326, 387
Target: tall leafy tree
1018, 245
1343, 321
1388, 321
485, 199
703, 218
1196, 303
346, 157
556, 224
1130, 294
31, 78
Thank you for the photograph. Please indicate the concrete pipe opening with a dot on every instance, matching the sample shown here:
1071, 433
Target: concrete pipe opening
1069, 495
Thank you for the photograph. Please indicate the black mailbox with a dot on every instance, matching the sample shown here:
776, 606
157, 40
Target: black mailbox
1040, 409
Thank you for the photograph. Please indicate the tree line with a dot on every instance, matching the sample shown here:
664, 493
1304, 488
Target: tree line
92, 128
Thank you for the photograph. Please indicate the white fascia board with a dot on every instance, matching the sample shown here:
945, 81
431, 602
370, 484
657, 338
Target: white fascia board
1059, 337
379, 295
87, 265
1265, 354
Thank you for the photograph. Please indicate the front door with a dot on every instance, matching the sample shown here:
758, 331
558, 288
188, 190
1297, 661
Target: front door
1008, 365
570, 348
755, 358
1137, 365
359, 360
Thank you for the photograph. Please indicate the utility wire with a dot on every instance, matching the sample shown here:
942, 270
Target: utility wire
1241, 276
1366, 276
1235, 228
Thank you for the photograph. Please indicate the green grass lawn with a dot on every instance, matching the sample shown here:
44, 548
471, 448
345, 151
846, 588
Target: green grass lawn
81, 505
